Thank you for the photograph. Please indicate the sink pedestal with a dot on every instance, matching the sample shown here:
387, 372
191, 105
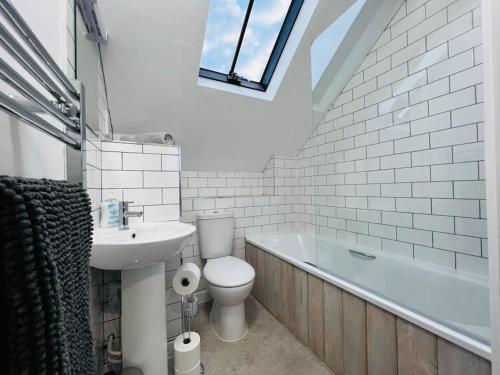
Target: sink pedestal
140, 253
144, 326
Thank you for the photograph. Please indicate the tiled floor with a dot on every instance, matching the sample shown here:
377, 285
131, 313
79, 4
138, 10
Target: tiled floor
267, 349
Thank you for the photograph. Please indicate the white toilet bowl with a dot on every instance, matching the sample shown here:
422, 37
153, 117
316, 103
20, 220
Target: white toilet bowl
230, 281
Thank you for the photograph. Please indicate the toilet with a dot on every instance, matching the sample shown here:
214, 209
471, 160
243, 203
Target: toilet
229, 279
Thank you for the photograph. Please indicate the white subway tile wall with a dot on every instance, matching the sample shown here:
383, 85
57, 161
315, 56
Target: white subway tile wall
149, 176
92, 172
260, 201
397, 162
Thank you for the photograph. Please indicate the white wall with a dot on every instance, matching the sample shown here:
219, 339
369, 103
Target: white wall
398, 161
27, 151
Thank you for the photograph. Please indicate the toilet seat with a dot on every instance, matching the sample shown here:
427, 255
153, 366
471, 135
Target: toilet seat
228, 272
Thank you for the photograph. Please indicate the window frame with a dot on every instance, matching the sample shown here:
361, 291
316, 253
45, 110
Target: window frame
283, 35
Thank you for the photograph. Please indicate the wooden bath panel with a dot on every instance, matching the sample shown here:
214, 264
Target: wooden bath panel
350, 335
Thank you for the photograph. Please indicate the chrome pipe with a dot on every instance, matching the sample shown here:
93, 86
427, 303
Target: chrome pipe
17, 110
28, 62
76, 158
15, 80
27, 34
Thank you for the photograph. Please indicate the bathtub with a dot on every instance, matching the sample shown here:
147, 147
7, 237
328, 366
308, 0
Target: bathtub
446, 302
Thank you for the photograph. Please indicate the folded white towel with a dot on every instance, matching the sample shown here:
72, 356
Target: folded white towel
160, 137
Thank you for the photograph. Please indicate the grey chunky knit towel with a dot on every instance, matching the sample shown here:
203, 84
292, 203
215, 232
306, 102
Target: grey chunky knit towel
45, 242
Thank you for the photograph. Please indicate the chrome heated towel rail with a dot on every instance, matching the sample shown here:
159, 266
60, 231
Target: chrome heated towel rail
64, 100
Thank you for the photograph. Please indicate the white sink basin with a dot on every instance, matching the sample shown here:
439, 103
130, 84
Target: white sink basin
143, 245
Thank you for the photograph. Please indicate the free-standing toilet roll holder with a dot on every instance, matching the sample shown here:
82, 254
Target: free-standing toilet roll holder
189, 308
187, 356
187, 315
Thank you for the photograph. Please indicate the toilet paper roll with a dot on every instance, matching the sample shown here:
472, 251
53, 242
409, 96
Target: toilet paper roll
186, 279
186, 352
196, 370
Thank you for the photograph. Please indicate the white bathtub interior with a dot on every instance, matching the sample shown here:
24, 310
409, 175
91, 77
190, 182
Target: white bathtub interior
448, 297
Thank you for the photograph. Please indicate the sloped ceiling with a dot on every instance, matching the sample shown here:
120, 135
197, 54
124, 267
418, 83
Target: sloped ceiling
152, 61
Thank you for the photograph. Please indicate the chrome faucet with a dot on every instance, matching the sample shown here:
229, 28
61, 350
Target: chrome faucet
124, 214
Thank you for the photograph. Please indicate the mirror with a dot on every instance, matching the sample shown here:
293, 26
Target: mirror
88, 71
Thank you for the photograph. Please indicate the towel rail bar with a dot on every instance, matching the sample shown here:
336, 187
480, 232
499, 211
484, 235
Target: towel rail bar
17, 110
17, 51
68, 108
25, 31
14, 79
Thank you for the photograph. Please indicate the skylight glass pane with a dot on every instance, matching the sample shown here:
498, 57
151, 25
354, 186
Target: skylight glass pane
263, 28
225, 21
326, 44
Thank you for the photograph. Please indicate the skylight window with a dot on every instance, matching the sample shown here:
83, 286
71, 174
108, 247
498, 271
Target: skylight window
245, 39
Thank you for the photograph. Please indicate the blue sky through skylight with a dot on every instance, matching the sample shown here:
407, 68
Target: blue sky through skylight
223, 30
326, 44
263, 28
224, 25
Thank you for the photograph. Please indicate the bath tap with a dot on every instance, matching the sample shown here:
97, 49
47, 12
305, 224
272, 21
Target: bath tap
124, 214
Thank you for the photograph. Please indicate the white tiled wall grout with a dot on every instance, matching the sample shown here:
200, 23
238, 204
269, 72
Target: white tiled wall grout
397, 162
244, 194
132, 172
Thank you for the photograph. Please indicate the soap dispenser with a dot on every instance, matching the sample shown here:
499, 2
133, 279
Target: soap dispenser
109, 211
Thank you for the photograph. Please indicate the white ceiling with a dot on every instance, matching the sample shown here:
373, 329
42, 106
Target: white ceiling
152, 62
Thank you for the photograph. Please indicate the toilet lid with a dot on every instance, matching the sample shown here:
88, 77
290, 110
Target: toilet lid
228, 272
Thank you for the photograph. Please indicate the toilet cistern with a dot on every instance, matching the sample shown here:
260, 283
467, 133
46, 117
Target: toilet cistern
124, 214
